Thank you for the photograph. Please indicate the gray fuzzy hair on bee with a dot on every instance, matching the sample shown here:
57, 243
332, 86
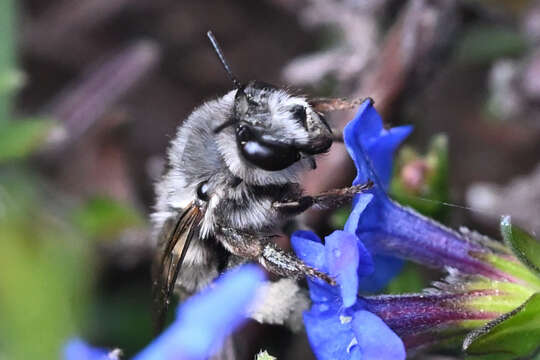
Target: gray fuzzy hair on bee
232, 184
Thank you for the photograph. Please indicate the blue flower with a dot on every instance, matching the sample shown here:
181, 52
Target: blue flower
389, 230
78, 349
199, 329
337, 325
372, 148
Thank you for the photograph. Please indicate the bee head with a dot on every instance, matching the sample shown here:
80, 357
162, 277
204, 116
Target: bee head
274, 129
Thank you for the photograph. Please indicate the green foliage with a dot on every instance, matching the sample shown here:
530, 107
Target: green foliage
45, 273
102, 217
514, 6
482, 45
128, 324
10, 80
7, 56
516, 334
20, 138
524, 245
431, 190
511, 336
17, 138
339, 217
410, 280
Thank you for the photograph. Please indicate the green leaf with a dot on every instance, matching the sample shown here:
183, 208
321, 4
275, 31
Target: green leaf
512, 335
46, 272
409, 280
339, 217
523, 244
7, 54
20, 138
11, 80
481, 45
510, 7
421, 182
102, 217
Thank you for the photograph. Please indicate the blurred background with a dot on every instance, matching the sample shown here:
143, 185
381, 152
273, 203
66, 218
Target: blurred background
91, 92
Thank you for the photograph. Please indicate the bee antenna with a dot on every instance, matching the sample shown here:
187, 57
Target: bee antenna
219, 53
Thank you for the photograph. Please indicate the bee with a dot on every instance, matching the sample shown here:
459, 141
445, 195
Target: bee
232, 183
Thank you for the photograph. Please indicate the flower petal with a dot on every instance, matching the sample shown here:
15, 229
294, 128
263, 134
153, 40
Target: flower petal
309, 248
329, 334
371, 146
365, 264
386, 267
76, 349
352, 136
376, 341
342, 258
361, 201
381, 152
205, 319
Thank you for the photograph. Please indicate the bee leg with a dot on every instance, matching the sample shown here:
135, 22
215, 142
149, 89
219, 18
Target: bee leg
327, 200
286, 264
337, 135
261, 248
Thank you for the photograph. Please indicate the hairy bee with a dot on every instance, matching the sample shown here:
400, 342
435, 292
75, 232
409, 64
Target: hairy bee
232, 181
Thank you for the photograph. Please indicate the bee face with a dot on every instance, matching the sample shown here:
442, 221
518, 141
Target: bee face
274, 130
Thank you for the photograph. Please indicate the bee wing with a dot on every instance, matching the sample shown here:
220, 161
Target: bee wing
175, 236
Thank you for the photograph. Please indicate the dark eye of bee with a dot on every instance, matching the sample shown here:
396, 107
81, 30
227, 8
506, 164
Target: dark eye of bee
299, 114
270, 156
203, 191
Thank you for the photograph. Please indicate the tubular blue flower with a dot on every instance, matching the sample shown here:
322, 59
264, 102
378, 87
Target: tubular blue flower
389, 229
372, 148
199, 329
337, 327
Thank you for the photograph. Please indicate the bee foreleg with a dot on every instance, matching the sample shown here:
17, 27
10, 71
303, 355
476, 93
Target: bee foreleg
337, 135
327, 200
261, 248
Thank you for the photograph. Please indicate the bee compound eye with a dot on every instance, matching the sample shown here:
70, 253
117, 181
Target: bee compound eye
269, 157
203, 191
265, 154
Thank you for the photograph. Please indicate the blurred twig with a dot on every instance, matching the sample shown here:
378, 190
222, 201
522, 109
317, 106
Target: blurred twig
82, 104
64, 27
